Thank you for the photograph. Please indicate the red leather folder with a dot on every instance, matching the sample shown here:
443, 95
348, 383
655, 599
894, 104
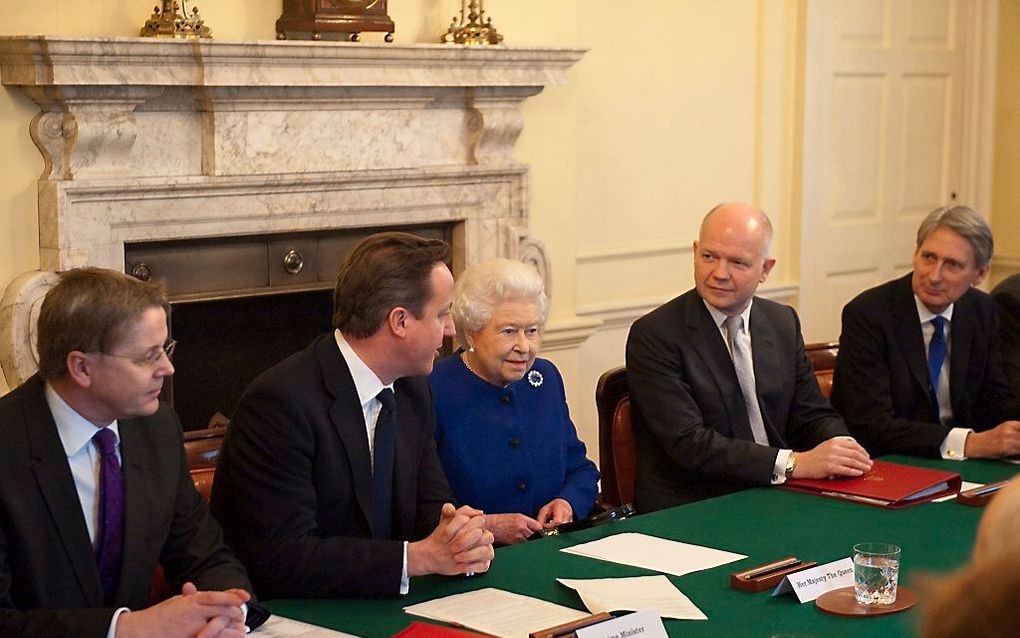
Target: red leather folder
887, 485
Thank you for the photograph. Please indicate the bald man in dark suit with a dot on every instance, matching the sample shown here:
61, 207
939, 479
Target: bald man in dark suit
725, 396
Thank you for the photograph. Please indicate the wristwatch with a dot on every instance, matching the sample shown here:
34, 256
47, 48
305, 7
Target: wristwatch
791, 462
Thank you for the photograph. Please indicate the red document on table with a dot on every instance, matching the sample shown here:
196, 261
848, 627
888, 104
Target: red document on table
888, 485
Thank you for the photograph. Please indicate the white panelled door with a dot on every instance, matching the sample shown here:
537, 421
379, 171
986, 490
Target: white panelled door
884, 114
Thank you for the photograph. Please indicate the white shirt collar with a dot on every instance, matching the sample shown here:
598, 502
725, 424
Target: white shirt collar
75, 431
719, 316
366, 382
926, 315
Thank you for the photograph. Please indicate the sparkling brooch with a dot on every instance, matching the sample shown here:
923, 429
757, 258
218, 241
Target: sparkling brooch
535, 378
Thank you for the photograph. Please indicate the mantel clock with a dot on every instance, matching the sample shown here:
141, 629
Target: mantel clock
347, 17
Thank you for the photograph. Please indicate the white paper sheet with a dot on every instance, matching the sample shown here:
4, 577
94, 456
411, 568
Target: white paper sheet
280, 627
652, 552
966, 485
633, 594
497, 612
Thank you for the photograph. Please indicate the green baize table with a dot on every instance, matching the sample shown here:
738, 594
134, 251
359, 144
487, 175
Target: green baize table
765, 524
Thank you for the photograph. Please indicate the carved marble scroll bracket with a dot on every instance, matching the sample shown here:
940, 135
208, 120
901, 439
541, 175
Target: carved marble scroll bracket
519, 244
81, 131
19, 315
494, 123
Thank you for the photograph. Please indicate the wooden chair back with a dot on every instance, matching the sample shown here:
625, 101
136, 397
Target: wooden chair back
203, 451
823, 359
617, 447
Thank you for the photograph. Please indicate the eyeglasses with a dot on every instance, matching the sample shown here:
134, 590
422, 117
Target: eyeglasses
152, 359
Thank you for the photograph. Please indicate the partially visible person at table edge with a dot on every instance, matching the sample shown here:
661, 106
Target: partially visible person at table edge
980, 598
503, 429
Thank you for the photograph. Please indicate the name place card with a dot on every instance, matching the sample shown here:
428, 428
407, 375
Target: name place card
812, 583
641, 624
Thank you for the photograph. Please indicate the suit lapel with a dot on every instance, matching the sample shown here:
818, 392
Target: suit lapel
404, 456
765, 353
53, 476
907, 328
134, 460
961, 339
708, 343
348, 420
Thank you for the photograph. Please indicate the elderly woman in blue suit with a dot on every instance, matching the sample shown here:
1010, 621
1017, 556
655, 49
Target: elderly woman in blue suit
503, 429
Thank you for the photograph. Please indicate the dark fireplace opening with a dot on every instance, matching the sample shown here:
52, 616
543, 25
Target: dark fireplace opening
241, 304
222, 345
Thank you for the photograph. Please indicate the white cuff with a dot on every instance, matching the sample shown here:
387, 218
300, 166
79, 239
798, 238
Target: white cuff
405, 580
954, 444
112, 631
779, 471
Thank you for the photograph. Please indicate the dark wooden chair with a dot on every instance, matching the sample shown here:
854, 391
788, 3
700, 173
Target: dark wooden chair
617, 447
823, 359
203, 450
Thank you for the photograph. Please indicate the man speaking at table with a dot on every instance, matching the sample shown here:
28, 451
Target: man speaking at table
725, 396
919, 368
329, 484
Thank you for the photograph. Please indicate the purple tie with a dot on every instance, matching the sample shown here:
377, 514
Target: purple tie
110, 535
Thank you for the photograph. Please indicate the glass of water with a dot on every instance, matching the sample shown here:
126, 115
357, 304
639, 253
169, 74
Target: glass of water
876, 573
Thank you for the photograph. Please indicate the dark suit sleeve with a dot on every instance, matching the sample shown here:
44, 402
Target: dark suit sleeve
270, 487
812, 418
580, 485
863, 390
996, 401
45, 623
194, 549
657, 375
580, 482
1009, 318
433, 489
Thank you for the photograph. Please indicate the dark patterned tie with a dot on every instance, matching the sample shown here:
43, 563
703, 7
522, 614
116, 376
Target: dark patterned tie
936, 356
382, 467
110, 534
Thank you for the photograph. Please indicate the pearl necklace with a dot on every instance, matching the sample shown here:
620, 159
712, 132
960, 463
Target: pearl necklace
464, 358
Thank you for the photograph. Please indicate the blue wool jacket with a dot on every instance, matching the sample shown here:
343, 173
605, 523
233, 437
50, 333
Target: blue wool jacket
510, 449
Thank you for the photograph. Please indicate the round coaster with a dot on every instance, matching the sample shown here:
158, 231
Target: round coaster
841, 602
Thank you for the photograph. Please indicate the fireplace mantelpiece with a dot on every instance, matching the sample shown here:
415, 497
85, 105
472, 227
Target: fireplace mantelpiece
148, 140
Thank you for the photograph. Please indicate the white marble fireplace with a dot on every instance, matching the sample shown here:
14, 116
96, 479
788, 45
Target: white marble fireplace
152, 140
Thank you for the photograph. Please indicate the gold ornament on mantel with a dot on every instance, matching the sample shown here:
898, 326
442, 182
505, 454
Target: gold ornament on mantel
472, 27
166, 22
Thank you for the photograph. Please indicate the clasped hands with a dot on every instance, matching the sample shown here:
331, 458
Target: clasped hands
192, 614
460, 544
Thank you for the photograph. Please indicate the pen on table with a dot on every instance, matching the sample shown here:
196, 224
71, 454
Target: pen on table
858, 499
772, 567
